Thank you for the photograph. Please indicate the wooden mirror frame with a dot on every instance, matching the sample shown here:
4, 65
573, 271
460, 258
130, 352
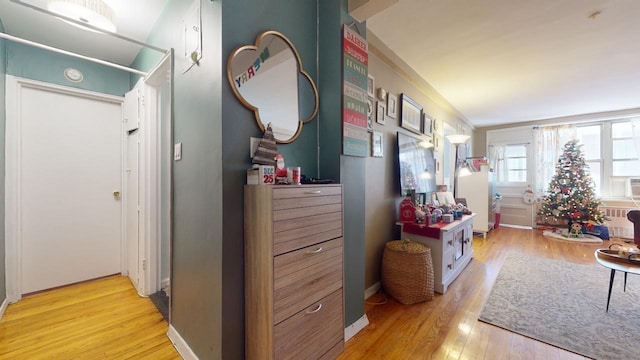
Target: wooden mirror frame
262, 124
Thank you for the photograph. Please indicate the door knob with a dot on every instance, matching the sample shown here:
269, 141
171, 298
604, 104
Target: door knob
116, 194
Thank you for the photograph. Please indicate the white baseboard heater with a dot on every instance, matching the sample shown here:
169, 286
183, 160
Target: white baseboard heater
618, 224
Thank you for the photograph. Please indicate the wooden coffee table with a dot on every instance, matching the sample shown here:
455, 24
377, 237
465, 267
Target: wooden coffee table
616, 266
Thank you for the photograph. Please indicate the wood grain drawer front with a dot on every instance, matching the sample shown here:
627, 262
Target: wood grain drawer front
297, 203
307, 226
305, 276
305, 191
312, 332
303, 236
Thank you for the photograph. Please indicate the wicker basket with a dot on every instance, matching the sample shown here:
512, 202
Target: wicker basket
407, 271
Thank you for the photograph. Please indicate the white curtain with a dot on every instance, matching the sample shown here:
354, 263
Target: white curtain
549, 143
496, 159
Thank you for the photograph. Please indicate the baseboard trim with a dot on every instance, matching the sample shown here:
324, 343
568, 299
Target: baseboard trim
178, 342
371, 290
3, 307
355, 328
517, 226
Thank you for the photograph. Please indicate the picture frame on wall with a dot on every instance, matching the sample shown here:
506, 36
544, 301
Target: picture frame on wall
381, 112
371, 82
392, 105
382, 94
427, 123
410, 114
377, 144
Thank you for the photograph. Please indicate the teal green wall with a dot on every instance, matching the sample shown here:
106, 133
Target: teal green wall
196, 247
350, 170
3, 71
207, 298
42, 65
242, 21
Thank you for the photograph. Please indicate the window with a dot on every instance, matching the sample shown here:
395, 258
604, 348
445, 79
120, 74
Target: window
590, 137
624, 155
516, 163
612, 154
511, 164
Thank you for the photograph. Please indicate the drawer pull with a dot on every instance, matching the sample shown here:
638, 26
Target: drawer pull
313, 192
315, 311
314, 251
450, 242
450, 266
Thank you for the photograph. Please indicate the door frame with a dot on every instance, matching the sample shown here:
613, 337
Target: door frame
13, 238
150, 170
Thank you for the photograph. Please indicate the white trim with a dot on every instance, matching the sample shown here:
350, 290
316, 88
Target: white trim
351, 330
13, 266
3, 307
517, 226
178, 342
160, 73
371, 290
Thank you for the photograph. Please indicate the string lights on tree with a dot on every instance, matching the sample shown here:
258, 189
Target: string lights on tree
571, 195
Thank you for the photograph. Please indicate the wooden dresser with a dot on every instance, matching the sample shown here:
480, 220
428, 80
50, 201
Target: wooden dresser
294, 307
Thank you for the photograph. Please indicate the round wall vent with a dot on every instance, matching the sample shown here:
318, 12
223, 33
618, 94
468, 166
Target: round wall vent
73, 75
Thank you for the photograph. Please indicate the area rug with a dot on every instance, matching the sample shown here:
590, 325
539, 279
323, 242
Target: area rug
563, 304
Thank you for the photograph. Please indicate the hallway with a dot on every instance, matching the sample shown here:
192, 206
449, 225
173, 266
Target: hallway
99, 319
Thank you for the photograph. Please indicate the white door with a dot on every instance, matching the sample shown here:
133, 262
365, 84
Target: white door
69, 179
132, 186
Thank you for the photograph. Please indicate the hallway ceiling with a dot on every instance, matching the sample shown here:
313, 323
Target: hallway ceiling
133, 18
494, 61
506, 61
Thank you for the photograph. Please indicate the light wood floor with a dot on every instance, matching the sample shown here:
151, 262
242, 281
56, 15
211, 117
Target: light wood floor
447, 327
101, 319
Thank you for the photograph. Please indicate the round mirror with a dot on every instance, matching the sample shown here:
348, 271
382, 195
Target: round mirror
268, 78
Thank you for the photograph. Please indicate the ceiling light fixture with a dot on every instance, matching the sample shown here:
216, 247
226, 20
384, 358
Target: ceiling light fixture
92, 12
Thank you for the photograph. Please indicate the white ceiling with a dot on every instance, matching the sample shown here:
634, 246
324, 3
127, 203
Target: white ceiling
134, 19
495, 61
506, 61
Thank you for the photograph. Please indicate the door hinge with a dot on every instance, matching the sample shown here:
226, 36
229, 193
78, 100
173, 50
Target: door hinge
144, 264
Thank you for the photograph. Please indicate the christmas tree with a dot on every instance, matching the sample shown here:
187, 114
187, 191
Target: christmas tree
571, 193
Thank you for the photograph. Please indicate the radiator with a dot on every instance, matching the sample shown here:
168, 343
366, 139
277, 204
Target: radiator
618, 224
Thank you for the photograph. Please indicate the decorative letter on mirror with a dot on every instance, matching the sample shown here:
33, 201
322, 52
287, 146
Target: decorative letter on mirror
268, 78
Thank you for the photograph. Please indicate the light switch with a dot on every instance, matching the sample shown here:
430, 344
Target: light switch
177, 152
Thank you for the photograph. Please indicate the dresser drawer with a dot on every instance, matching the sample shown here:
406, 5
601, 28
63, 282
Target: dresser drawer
313, 331
305, 276
289, 192
295, 234
448, 264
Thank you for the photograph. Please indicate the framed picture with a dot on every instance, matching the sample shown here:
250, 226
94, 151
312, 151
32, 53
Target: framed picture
382, 94
377, 145
410, 114
436, 142
371, 86
427, 122
381, 112
370, 114
392, 105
